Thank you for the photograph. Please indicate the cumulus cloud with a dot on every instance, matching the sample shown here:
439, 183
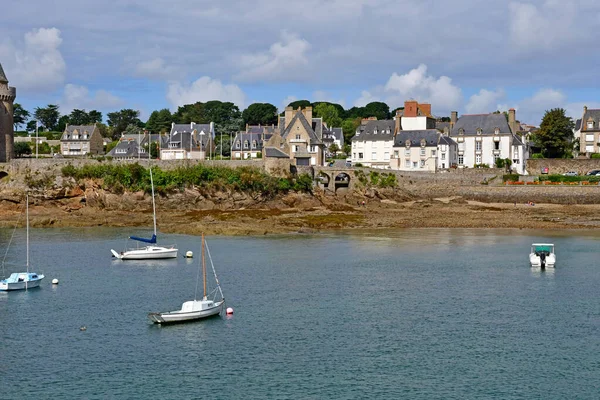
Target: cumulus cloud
485, 101
415, 84
156, 68
205, 89
531, 109
80, 97
286, 60
37, 63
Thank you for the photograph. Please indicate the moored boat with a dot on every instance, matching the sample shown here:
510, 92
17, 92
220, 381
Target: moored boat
542, 255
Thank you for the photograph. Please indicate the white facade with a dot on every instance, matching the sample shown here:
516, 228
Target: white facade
371, 153
447, 156
477, 150
415, 123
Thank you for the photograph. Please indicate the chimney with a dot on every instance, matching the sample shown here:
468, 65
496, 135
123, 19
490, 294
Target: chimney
308, 114
426, 108
289, 112
512, 122
584, 110
453, 117
410, 108
398, 127
246, 127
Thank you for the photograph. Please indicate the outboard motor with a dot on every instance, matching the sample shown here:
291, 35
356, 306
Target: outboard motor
543, 260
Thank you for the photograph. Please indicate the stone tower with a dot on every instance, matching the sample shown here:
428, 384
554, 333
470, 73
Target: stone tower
7, 98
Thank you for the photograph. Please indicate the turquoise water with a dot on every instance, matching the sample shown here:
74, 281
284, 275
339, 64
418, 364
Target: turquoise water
415, 314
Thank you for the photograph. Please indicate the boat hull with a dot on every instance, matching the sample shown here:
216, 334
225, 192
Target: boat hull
186, 316
23, 285
147, 253
536, 261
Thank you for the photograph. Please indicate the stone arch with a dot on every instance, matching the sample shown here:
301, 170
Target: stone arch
323, 179
342, 181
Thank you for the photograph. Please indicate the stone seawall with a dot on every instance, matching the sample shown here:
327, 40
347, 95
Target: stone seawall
560, 166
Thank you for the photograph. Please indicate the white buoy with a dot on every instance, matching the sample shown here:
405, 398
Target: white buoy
189, 254
83, 328
229, 310
55, 281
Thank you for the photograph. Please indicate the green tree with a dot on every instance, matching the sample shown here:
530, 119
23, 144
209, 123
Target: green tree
31, 126
219, 112
377, 109
356, 112
95, 116
300, 103
188, 113
105, 131
334, 148
20, 115
260, 114
62, 123
393, 112
47, 116
555, 136
230, 127
120, 120
79, 117
22, 148
340, 110
160, 121
349, 128
329, 114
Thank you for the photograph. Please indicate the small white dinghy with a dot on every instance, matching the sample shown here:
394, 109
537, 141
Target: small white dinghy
195, 309
21, 280
542, 255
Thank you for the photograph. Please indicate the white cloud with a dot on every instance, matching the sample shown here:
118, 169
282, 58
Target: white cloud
485, 101
286, 60
415, 84
544, 27
205, 89
155, 68
38, 64
75, 96
418, 85
365, 98
531, 109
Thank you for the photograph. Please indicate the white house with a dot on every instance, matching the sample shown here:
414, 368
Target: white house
373, 142
484, 138
423, 150
189, 141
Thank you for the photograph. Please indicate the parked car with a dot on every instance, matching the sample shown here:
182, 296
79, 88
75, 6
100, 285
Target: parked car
594, 172
570, 173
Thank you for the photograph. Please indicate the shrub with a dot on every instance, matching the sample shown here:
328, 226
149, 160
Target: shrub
510, 177
595, 155
537, 155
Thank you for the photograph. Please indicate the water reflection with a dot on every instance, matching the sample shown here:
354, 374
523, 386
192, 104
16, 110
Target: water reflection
538, 272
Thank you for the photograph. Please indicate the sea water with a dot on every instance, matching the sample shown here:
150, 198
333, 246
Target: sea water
415, 314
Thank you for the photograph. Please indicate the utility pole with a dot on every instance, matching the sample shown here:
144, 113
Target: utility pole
36, 139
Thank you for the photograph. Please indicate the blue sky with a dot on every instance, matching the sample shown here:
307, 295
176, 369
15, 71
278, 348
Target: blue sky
472, 56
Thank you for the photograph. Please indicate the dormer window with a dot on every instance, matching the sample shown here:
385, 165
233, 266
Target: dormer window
375, 131
246, 144
497, 131
461, 131
479, 131
407, 143
237, 144
423, 142
254, 144
590, 124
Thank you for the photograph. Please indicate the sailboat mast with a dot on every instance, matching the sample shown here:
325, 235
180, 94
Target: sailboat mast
27, 216
203, 267
153, 205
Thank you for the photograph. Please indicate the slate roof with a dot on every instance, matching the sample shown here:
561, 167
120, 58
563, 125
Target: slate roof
595, 115
516, 141
446, 140
432, 136
367, 131
244, 136
124, 149
2, 75
274, 152
182, 140
314, 139
578, 124
70, 129
487, 122
439, 125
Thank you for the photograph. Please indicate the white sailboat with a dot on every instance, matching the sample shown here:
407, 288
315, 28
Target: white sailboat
195, 309
22, 280
152, 251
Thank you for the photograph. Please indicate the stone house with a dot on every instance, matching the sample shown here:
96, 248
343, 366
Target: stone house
423, 150
589, 131
79, 140
300, 136
484, 138
189, 141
